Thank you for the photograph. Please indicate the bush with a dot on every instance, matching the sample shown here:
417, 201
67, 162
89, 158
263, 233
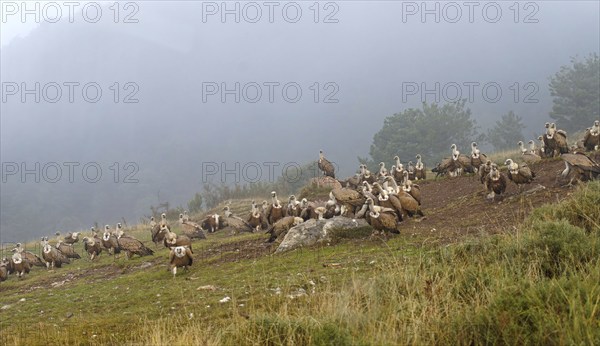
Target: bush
557, 246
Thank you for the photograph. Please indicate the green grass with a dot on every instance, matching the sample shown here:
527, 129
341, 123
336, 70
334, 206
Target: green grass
538, 284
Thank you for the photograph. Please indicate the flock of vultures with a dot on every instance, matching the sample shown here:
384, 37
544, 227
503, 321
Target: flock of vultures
385, 199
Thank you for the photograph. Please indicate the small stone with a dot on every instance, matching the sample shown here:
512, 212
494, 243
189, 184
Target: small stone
225, 300
69, 315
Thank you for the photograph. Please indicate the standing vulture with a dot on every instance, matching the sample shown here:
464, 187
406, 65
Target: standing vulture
93, 246
67, 250
256, 219
33, 259
275, 211
381, 219
382, 170
532, 155
72, 238
133, 246
191, 228
52, 256
20, 265
519, 174
484, 170
109, 241
180, 256
420, 173
211, 223
477, 158
495, 182
591, 139
325, 166
584, 167
555, 141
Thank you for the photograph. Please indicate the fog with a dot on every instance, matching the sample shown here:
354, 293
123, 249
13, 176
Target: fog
167, 72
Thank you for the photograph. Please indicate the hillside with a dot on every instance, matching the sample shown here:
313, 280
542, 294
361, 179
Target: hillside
472, 271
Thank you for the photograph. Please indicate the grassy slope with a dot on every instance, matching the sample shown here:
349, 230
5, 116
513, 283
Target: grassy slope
538, 284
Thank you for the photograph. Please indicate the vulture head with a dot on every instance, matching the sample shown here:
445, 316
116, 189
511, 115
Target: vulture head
418, 157
512, 166
180, 216
163, 216
547, 125
152, 218
179, 251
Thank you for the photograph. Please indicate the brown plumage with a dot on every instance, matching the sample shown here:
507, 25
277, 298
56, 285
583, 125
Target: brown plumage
67, 250
325, 166
33, 259
52, 256
275, 210
280, 228
397, 170
420, 170
412, 189
20, 265
460, 163
180, 256
110, 243
477, 158
591, 138
172, 239
3, 270
442, 167
484, 170
391, 202
132, 246
71, 238
93, 246
555, 141
212, 223
9, 265
495, 182
257, 219
293, 207
584, 168
381, 219
191, 228
350, 199
519, 174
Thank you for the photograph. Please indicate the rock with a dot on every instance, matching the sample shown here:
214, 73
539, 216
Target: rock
326, 182
69, 315
225, 300
314, 231
206, 288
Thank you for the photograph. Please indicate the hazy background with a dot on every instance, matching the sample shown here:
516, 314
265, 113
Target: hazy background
170, 132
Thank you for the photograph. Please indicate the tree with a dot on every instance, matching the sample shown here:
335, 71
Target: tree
507, 132
428, 132
195, 205
576, 92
